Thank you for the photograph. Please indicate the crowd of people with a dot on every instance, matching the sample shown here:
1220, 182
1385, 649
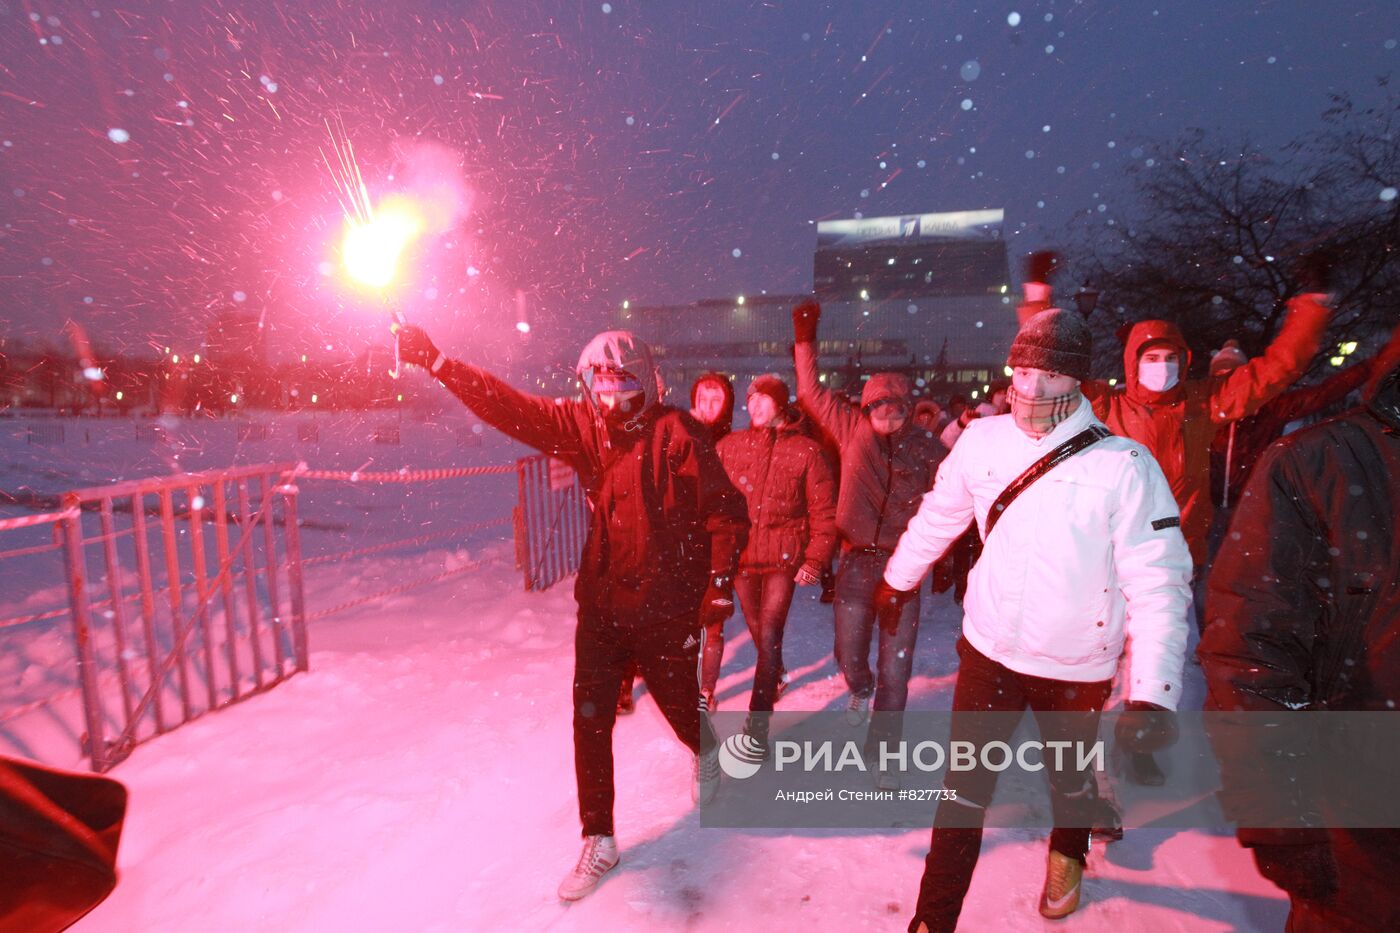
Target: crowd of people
1090, 587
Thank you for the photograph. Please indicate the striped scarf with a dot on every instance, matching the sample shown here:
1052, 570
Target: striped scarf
1038, 416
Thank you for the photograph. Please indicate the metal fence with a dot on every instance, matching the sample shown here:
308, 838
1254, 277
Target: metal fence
189, 625
185, 593
551, 521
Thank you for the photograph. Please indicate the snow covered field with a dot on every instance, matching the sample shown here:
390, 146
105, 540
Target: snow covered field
420, 776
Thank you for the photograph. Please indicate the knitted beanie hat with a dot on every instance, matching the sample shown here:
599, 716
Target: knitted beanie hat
770, 385
1227, 358
1056, 341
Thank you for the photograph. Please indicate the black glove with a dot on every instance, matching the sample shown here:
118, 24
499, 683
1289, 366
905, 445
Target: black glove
805, 316
415, 346
718, 602
1040, 266
889, 605
1306, 871
1144, 728
1315, 270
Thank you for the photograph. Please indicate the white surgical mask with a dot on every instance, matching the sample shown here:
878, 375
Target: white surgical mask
1158, 376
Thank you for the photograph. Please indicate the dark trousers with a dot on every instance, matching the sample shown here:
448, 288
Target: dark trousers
985, 686
765, 599
712, 657
859, 574
667, 654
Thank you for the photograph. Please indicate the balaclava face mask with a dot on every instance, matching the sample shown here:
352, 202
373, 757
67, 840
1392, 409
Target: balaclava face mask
1158, 375
618, 382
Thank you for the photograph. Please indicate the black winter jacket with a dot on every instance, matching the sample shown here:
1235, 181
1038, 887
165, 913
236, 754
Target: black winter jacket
664, 516
1304, 610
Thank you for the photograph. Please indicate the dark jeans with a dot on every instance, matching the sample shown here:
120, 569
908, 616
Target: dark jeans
765, 599
859, 574
667, 654
956, 841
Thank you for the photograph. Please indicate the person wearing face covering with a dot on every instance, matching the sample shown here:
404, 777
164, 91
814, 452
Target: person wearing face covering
887, 464
1088, 553
1177, 417
665, 532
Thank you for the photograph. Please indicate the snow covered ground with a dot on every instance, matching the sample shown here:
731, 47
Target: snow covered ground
420, 776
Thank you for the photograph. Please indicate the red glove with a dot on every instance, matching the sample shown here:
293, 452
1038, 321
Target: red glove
889, 605
1041, 265
805, 316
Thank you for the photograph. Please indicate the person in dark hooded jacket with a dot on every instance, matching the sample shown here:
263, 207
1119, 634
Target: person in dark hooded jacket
664, 535
1304, 611
886, 467
711, 404
791, 496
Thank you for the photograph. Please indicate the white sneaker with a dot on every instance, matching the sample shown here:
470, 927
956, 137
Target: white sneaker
599, 857
857, 709
705, 772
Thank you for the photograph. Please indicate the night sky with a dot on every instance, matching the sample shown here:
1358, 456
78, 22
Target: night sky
160, 161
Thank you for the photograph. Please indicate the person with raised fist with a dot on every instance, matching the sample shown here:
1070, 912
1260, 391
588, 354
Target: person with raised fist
887, 464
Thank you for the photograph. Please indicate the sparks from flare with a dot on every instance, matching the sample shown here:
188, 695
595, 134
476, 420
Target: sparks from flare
373, 243
375, 240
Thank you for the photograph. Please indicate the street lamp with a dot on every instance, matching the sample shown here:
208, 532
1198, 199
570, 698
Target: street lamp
1086, 299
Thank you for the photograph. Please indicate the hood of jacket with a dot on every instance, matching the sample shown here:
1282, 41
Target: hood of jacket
882, 386
725, 422
1139, 336
622, 351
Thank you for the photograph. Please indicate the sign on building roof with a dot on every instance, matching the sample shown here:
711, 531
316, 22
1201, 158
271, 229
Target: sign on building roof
953, 225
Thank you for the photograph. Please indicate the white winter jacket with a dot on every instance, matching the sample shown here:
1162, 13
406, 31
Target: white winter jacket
1089, 554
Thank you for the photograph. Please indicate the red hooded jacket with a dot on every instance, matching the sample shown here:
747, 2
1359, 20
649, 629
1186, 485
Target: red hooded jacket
1178, 425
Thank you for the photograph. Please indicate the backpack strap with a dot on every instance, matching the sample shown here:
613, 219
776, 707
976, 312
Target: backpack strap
1086, 438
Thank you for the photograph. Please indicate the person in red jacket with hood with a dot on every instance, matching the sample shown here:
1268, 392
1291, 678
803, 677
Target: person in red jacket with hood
1177, 417
665, 531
